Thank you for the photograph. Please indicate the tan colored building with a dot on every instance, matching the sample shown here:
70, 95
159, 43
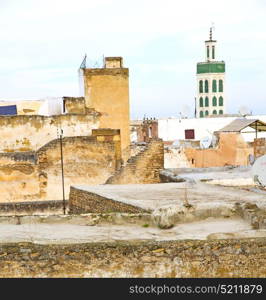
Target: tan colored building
107, 91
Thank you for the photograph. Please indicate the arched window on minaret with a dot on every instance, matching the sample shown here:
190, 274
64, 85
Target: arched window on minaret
201, 102
206, 102
214, 101
213, 52
221, 112
214, 112
221, 101
201, 86
214, 86
206, 86
208, 52
201, 114
221, 88
206, 113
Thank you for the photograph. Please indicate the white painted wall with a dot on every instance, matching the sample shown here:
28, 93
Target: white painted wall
172, 129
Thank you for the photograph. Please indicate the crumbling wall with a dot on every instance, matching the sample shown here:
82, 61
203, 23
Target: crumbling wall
37, 175
231, 150
142, 168
241, 258
29, 133
74, 105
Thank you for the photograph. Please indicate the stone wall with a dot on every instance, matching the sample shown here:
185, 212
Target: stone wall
142, 168
29, 133
186, 258
37, 175
232, 150
74, 105
82, 201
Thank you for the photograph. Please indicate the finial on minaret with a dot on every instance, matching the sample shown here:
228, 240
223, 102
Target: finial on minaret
211, 34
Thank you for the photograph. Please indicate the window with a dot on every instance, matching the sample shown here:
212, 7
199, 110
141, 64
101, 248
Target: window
213, 52
221, 112
214, 112
214, 101
221, 101
201, 86
221, 88
206, 101
214, 86
208, 52
206, 113
201, 114
201, 102
206, 86
189, 134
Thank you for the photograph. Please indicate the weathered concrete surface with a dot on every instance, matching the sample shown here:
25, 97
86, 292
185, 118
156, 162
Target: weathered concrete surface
153, 196
216, 258
60, 233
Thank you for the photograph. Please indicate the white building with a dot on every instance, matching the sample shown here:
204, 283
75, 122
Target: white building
210, 98
174, 129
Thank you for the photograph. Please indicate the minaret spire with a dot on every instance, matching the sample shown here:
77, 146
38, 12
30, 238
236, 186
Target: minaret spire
211, 34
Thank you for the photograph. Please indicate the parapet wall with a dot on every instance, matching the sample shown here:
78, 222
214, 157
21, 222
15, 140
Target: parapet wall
143, 167
186, 258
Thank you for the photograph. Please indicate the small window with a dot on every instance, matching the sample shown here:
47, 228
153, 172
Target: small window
221, 112
214, 86
201, 86
221, 101
214, 101
206, 113
213, 52
221, 88
201, 114
201, 102
189, 134
208, 52
206, 86
206, 101
214, 112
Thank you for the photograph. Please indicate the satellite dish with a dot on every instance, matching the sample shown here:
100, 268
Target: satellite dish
259, 171
176, 144
244, 111
185, 111
205, 142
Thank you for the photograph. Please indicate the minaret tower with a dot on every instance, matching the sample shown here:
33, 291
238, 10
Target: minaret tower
210, 99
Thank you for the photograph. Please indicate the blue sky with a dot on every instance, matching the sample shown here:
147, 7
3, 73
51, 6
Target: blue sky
42, 44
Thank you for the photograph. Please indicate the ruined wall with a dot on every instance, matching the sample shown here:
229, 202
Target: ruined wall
107, 91
259, 147
37, 175
186, 258
142, 168
232, 150
74, 105
29, 133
